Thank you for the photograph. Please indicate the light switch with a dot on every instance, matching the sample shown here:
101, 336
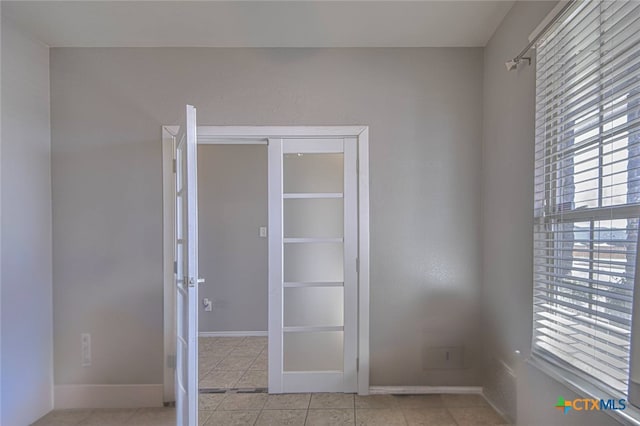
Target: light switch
263, 231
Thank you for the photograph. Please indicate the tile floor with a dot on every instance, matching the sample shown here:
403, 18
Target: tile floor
232, 362
344, 409
240, 363
110, 417
259, 409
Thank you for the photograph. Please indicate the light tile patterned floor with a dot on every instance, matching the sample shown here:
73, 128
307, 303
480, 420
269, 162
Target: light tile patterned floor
258, 409
232, 362
241, 363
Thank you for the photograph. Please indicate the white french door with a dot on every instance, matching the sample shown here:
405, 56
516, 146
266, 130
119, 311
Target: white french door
313, 245
186, 271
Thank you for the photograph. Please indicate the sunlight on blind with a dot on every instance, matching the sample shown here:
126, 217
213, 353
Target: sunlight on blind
587, 189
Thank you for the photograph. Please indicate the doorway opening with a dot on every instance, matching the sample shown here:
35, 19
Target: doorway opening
232, 251
318, 256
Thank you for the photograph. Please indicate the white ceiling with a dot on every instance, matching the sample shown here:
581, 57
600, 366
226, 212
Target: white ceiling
259, 23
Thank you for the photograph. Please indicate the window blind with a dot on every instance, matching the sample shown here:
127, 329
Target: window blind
587, 190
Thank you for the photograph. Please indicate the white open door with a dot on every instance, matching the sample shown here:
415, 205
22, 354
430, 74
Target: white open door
186, 271
313, 277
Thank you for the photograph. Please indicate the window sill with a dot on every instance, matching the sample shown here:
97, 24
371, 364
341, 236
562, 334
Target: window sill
630, 416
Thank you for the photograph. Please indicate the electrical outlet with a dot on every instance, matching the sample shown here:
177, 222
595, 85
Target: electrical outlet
85, 338
208, 304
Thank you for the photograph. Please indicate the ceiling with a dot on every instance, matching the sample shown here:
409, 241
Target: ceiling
259, 23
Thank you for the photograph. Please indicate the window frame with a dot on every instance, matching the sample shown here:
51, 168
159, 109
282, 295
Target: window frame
576, 378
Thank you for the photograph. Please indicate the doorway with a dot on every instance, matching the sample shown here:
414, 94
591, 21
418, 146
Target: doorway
343, 320
232, 250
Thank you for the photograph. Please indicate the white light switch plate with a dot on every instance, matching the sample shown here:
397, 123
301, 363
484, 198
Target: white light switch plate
263, 231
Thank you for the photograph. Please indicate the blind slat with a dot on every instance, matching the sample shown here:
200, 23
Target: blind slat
619, 24
581, 344
558, 312
587, 189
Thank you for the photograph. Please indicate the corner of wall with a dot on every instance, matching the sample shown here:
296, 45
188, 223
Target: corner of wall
26, 371
507, 178
500, 388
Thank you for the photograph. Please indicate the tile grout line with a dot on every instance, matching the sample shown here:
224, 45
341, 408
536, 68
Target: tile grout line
355, 420
451, 414
306, 416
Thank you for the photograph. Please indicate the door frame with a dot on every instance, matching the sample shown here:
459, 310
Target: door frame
259, 135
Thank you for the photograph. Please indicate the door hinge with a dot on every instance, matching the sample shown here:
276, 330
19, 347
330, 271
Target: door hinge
357, 364
175, 266
171, 361
358, 265
175, 166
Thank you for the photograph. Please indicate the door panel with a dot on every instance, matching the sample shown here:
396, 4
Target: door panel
312, 262
313, 173
313, 218
314, 351
186, 272
314, 291
313, 306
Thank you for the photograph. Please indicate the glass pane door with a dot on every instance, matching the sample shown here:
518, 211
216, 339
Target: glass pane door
317, 333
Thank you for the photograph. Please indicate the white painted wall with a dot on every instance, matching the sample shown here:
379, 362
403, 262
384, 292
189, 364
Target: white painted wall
232, 205
1, 211
507, 189
26, 315
1, 380
423, 107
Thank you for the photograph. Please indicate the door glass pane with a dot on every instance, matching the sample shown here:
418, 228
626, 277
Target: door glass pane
313, 306
313, 218
313, 262
313, 351
179, 260
179, 167
179, 216
183, 315
305, 173
184, 364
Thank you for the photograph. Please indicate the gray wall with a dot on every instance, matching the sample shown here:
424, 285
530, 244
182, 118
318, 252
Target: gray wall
232, 205
423, 107
27, 375
507, 180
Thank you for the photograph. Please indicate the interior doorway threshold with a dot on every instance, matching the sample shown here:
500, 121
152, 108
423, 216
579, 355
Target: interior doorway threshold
233, 390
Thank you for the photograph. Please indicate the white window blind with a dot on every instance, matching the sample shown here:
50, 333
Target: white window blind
587, 190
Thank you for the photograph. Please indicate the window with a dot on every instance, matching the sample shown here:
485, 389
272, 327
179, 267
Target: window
587, 191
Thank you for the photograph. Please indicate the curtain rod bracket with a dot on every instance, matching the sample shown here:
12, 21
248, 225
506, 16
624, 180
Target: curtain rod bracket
513, 64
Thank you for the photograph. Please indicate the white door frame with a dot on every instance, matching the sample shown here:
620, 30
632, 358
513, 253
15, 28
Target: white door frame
259, 135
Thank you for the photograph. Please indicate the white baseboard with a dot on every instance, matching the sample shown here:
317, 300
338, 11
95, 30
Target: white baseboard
107, 396
417, 390
233, 334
